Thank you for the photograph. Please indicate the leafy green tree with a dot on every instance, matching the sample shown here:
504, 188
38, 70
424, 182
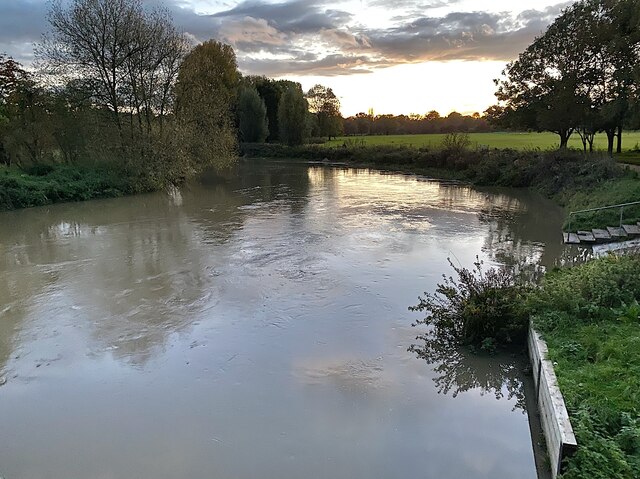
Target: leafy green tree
205, 95
539, 89
578, 75
292, 116
252, 116
325, 105
270, 91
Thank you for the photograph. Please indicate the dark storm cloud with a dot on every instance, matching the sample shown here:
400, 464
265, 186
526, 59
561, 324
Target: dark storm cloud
414, 4
318, 37
296, 16
330, 65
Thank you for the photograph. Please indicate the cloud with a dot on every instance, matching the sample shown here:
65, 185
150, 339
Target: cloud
319, 37
341, 46
21, 24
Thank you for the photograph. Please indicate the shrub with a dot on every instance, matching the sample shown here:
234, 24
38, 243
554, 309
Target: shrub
483, 309
56, 183
456, 142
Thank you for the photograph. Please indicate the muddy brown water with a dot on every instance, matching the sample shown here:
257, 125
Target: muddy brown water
257, 327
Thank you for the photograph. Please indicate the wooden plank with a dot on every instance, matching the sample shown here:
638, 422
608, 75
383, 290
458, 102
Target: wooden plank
616, 232
571, 238
586, 237
631, 230
601, 235
554, 417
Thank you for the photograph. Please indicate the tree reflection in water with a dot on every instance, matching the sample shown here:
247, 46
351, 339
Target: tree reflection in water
459, 370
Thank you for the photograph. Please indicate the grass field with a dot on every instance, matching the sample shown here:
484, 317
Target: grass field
520, 141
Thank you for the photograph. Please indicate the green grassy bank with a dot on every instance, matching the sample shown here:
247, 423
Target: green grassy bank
590, 317
45, 184
569, 177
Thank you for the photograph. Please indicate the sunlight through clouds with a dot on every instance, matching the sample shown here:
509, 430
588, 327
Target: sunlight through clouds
360, 48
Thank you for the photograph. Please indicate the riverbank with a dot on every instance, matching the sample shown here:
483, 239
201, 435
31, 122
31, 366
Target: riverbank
568, 177
590, 318
47, 184
572, 180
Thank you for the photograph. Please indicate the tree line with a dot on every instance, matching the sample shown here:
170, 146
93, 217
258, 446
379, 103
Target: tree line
432, 122
581, 76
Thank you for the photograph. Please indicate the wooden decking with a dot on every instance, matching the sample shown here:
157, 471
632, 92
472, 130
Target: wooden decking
609, 235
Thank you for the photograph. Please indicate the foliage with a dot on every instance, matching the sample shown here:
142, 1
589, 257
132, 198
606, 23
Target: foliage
456, 143
116, 86
589, 317
46, 184
271, 92
292, 116
430, 123
252, 116
553, 173
205, 93
479, 308
127, 59
324, 104
578, 75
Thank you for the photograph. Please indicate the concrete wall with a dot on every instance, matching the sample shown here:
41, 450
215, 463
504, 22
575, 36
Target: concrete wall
554, 418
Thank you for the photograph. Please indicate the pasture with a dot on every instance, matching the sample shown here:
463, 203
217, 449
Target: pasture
519, 141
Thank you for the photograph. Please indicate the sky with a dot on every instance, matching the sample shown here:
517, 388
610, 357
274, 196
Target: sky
399, 57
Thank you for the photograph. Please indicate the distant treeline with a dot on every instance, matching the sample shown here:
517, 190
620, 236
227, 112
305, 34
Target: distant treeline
432, 122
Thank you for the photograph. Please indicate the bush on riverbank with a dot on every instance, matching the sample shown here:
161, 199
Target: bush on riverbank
590, 317
46, 184
597, 179
479, 308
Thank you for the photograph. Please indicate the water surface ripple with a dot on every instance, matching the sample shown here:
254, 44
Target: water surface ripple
255, 327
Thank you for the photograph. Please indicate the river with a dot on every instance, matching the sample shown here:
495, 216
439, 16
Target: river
256, 327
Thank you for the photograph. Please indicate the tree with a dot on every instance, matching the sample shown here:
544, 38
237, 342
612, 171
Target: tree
205, 95
25, 116
127, 57
326, 106
578, 75
432, 115
539, 88
270, 91
385, 125
292, 114
13, 79
364, 122
252, 116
